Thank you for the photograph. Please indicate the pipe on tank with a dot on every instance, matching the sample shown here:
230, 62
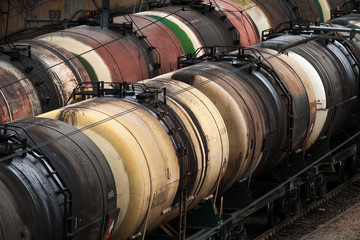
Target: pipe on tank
105, 14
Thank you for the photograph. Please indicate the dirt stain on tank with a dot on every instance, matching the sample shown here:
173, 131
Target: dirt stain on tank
68, 116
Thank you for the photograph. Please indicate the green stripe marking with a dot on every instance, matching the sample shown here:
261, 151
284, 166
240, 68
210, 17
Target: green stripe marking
355, 26
319, 9
184, 39
90, 70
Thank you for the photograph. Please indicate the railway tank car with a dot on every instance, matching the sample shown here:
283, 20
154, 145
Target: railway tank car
322, 89
138, 46
24, 93
135, 47
296, 11
145, 165
348, 20
121, 166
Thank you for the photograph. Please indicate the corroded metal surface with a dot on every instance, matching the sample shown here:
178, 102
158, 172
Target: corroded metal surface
165, 47
64, 69
107, 55
38, 80
240, 19
18, 98
270, 108
194, 30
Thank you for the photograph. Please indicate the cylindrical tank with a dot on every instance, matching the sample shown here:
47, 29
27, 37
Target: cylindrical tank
350, 21
194, 30
149, 163
106, 55
162, 44
127, 162
64, 188
252, 110
258, 132
333, 74
302, 104
37, 77
144, 45
141, 46
311, 10
18, 98
270, 14
275, 12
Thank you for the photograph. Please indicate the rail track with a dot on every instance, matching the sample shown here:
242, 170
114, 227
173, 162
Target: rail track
317, 214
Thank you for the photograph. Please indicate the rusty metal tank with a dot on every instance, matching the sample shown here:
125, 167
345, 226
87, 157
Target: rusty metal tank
196, 27
18, 98
240, 19
261, 124
143, 145
107, 55
274, 11
138, 153
162, 45
144, 45
139, 46
37, 77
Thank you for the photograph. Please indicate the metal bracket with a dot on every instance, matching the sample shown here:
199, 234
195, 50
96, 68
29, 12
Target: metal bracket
142, 93
9, 144
14, 50
231, 28
211, 53
124, 28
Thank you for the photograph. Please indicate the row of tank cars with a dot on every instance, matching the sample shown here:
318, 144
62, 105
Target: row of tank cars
41, 73
119, 166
